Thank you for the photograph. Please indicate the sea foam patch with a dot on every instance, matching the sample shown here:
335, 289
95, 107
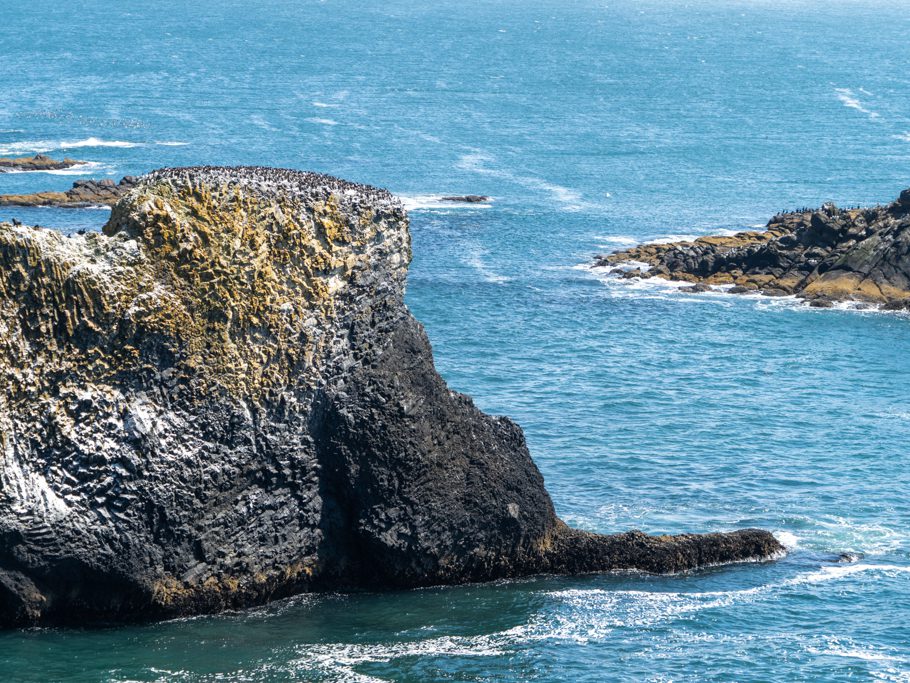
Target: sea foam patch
580, 616
41, 146
434, 202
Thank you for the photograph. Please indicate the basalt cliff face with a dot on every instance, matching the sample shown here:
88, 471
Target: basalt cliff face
222, 399
824, 255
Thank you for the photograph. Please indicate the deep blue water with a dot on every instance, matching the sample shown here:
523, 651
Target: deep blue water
593, 125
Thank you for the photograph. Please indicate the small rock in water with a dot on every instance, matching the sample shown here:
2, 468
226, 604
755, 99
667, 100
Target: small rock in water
697, 288
467, 198
847, 558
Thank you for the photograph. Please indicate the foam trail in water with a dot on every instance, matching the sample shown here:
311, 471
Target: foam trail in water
428, 202
474, 257
849, 99
586, 616
41, 146
570, 199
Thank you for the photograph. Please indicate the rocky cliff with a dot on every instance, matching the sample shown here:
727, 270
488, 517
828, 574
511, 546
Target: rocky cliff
222, 399
823, 255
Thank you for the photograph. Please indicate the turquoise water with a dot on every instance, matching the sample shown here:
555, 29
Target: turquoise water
593, 125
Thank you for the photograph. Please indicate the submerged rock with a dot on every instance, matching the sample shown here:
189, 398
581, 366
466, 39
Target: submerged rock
82, 194
222, 399
824, 255
39, 162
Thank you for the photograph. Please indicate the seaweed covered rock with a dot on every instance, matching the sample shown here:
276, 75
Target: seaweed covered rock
222, 399
825, 255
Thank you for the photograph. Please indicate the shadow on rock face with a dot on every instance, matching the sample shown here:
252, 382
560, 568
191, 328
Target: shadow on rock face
222, 399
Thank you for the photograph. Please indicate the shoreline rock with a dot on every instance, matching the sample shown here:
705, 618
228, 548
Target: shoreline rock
466, 199
39, 162
222, 399
824, 255
83, 193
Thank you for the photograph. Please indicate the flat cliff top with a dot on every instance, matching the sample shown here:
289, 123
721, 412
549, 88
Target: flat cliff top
273, 181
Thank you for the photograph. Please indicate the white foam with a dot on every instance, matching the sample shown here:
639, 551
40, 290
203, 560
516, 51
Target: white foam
89, 167
669, 239
430, 202
171, 143
855, 653
98, 142
325, 105
903, 136
477, 162
787, 539
573, 615
849, 99
323, 122
40, 146
609, 243
474, 257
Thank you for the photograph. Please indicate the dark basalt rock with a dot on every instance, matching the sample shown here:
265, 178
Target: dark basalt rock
828, 254
467, 198
222, 399
39, 162
83, 193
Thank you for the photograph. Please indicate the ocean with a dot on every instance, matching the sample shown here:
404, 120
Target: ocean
593, 126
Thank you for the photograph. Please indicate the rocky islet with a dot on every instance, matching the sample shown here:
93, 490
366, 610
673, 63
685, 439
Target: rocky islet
823, 255
39, 162
222, 399
83, 194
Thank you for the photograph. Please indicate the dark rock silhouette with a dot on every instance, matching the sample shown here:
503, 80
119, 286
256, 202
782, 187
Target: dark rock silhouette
467, 199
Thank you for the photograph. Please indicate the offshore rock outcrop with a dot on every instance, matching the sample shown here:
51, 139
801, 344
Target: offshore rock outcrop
825, 255
222, 399
83, 193
39, 162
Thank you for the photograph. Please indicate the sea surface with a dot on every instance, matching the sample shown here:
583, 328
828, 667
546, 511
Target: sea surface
593, 126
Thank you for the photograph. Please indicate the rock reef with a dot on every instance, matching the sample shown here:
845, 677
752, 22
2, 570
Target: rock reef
466, 198
222, 399
39, 162
822, 255
83, 193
